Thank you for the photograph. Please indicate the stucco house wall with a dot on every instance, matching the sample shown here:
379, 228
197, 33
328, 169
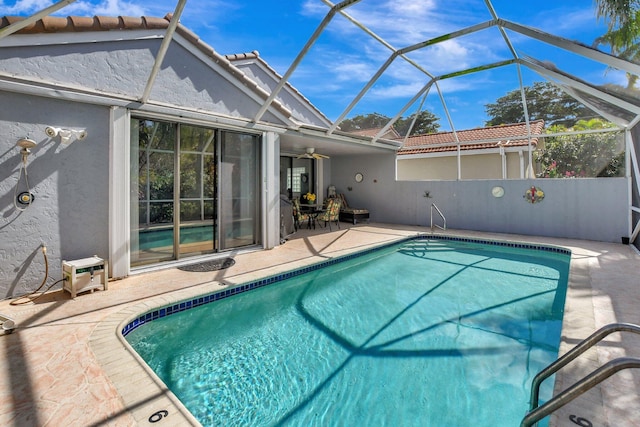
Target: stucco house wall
70, 183
268, 79
71, 81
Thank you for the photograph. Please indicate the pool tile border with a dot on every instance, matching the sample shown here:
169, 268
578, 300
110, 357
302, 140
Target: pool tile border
158, 313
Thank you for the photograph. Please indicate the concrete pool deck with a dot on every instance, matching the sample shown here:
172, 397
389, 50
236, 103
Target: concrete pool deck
65, 364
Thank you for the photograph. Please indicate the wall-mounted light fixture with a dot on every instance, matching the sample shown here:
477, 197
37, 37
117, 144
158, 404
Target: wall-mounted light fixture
65, 134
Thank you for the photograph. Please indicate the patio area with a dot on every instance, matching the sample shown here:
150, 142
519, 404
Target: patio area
65, 365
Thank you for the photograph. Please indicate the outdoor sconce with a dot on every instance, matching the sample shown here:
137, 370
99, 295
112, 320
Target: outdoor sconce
65, 134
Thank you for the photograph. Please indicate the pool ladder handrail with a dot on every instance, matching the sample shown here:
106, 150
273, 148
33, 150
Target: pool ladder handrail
536, 413
444, 226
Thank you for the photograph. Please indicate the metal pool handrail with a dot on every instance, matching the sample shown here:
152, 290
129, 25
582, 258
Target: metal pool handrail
444, 226
536, 413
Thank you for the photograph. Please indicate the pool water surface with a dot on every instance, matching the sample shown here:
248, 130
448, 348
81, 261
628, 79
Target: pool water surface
423, 333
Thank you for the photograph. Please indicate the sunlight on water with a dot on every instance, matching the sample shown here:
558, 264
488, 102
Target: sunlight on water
429, 333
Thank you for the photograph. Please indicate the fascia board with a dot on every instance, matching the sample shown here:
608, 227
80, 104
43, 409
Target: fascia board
81, 95
47, 39
322, 134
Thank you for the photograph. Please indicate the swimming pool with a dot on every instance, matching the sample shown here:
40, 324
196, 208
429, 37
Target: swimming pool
370, 339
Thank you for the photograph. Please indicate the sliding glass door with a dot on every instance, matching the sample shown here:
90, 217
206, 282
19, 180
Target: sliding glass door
197, 191
239, 190
194, 191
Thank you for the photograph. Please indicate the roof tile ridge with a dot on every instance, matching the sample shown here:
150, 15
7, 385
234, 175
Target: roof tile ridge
53, 24
254, 54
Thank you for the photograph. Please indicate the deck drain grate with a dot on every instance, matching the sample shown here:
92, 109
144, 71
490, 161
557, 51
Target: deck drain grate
214, 265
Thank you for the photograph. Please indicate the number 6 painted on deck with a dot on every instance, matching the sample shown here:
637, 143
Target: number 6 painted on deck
582, 422
158, 416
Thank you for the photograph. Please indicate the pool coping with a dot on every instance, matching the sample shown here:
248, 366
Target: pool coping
179, 306
147, 397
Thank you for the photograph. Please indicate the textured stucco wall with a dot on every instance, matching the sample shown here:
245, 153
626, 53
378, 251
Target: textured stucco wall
70, 183
299, 109
591, 209
123, 68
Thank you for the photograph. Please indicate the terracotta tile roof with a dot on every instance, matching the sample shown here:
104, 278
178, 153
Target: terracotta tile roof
473, 139
54, 24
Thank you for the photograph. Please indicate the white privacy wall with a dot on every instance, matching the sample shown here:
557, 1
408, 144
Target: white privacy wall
590, 209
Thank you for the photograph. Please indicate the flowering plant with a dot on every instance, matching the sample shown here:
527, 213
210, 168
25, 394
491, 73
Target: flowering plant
309, 197
534, 195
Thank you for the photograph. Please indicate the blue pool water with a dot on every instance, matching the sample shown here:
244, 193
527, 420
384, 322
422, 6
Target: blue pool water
157, 238
426, 333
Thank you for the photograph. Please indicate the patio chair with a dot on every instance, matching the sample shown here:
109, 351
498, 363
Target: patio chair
331, 213
349, 214
298, 216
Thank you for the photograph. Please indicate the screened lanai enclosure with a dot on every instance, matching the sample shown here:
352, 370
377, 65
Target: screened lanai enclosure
194, 163
446, 62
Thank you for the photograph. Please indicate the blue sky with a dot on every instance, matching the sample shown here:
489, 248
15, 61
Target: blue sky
344, 58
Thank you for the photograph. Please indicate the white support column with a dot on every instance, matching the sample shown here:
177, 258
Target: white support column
119, 204
271, 190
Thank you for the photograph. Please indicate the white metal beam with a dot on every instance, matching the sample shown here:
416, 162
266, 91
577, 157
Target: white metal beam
571, 46
403, 109
328, 17
635, 109
166, 41
401, 53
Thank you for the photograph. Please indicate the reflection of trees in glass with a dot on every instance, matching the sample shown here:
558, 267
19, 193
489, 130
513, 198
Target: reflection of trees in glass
583, 155
197, 167
161, 213
190, 210
155, 162
160, 176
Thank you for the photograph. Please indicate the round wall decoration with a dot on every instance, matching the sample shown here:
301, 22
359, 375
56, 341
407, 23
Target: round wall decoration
534, 195
359, 177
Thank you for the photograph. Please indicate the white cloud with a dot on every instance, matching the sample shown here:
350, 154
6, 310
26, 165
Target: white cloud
22, 7
88, 8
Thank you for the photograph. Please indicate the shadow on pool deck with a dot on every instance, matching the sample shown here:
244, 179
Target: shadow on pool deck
65, 365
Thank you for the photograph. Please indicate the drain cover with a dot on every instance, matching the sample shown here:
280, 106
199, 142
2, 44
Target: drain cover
213, 265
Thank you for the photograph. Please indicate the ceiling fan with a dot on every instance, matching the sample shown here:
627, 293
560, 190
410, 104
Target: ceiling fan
311, 154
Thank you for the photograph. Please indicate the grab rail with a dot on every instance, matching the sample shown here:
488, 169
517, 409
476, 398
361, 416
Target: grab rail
536, 413
444, 226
